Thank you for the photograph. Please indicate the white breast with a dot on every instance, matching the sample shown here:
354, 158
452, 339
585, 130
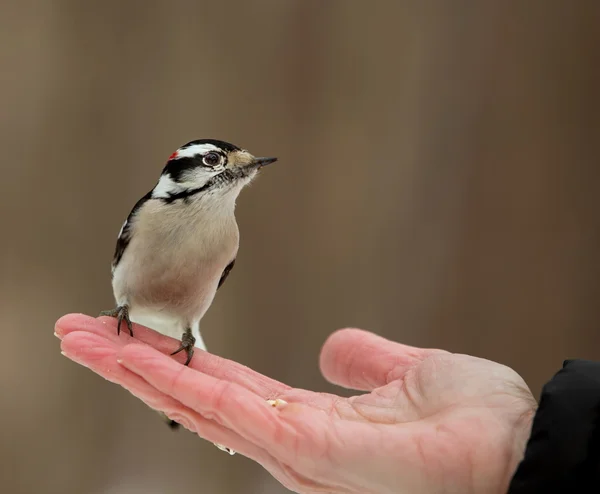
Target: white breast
170, 271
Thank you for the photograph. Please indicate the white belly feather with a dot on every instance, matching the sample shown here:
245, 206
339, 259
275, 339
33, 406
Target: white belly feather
170, 271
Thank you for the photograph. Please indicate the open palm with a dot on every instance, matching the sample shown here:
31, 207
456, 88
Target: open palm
431, 422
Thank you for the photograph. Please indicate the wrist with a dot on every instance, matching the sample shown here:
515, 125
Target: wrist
563, 450
522, 433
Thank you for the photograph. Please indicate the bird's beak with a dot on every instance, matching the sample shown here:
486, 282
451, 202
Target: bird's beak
260, 162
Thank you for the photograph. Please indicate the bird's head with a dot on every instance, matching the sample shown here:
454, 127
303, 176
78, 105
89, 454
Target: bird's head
207, 166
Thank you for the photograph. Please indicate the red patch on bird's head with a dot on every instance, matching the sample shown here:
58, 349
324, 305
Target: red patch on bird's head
173, 156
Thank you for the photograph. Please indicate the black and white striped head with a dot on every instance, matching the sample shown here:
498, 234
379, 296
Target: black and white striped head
207, 165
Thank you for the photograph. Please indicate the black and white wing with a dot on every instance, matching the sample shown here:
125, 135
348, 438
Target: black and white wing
125, 234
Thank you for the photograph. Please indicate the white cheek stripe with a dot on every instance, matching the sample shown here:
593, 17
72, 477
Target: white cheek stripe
165, 187
194, 150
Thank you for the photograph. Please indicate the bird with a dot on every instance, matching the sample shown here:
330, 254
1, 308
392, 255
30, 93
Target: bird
180, 241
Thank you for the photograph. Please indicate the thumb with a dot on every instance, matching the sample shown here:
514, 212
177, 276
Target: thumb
361, 360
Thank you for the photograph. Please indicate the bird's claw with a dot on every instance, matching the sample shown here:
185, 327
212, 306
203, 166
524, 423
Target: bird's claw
121, 313
187, 344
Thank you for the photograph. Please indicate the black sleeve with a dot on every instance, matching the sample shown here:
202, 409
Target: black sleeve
563, 452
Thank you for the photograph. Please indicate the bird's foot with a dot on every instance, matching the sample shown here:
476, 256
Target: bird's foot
121, 313
187, 344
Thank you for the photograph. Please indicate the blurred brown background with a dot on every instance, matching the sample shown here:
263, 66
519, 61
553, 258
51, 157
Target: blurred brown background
438, 184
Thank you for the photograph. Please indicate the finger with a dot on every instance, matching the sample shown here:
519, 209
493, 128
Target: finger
100, 355
205, 362
107, 326
228, 403
358, 359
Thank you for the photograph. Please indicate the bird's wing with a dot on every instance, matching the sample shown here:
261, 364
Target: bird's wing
125, 234
225, 274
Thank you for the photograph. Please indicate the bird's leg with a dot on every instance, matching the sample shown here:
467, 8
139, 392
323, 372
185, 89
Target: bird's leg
187, 344
121, 313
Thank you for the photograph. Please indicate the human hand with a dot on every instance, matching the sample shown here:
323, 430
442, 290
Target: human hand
432, 422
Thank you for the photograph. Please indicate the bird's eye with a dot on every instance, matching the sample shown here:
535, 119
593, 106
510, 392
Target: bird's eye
211, 159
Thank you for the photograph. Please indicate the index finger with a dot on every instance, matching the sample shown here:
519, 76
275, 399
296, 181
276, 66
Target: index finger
205, 362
